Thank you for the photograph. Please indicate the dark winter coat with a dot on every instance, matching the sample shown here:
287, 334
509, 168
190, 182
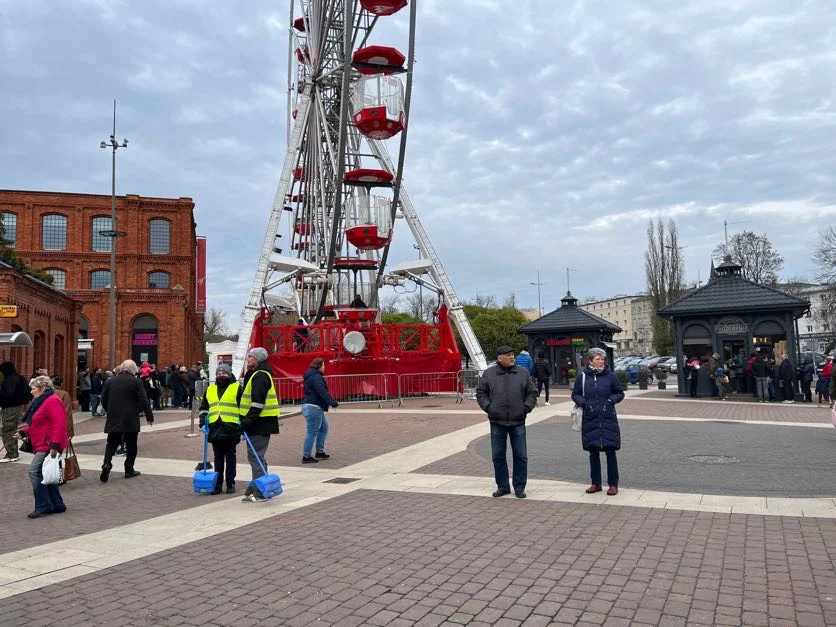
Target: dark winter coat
14, 391
316, 390
507, 395
253, 423
123, 397
598, 398
807, 371
785, 370
760, 368
542, 370
95, 384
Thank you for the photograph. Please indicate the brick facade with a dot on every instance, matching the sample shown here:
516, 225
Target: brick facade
49, 317
178, 336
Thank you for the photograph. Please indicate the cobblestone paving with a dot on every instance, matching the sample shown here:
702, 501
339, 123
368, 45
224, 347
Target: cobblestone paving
720, 410
353, 437
378, 558
91, 505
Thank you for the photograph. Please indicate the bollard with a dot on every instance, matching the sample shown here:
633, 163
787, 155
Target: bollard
200, 388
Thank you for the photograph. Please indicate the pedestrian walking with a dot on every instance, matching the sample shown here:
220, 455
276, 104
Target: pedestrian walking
61, 393
507, 394
692, 369
823, 384
14, 394
315, 403
713, 365
220, 408
45, 424
543, 374
524, 360
123, 398
258, 406
84, 386
598, 392
96, 384
721, 380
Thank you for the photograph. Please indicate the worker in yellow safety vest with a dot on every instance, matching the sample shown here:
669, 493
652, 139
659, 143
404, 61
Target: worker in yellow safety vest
258, 406
219, 410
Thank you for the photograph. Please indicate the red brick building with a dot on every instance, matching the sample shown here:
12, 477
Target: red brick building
156, 307
48, 316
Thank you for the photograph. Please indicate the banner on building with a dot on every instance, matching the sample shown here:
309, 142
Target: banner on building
200, 304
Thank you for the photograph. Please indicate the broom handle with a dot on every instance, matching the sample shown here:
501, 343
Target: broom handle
255, 453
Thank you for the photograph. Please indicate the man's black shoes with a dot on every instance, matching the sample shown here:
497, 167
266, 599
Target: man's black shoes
520, 495
500, 492
105, 472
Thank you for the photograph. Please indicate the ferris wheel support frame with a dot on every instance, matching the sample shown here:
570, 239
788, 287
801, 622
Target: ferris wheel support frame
253, 306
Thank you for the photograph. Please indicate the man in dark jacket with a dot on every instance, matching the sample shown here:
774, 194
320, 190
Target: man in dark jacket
543, 375
785, 379
123, 397
760, 370
14, 394
259, 408
315, 403
805, 376
506, 392
96, 385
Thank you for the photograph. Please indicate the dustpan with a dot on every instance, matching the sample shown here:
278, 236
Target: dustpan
205, 480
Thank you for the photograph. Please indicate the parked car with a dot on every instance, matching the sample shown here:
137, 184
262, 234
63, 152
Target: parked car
632, 369
668, 365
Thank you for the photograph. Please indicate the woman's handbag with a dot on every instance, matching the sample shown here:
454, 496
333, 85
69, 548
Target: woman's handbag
24, 445
577, 411
52, 469
71, 467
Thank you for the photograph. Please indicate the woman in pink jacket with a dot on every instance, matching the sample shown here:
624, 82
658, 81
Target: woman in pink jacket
45, 424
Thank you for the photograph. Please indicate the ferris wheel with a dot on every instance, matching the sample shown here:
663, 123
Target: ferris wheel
326, 252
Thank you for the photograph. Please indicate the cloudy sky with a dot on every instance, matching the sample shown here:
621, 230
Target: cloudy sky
543, 135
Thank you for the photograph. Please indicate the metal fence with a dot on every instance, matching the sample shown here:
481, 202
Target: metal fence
385, 387
345, 388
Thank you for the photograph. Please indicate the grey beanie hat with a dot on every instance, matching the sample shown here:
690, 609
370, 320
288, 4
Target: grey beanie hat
225, 368
258, 353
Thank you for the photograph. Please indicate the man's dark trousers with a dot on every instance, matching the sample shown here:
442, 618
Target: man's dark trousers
113, 442
499, 440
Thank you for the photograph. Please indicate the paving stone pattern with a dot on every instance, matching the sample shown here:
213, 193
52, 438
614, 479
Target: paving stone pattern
720, 410
91, 505
378, 558
352, 438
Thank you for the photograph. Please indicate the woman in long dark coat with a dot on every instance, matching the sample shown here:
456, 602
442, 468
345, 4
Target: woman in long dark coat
598, 390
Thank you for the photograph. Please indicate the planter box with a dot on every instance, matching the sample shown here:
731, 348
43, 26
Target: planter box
662, 385
642, 385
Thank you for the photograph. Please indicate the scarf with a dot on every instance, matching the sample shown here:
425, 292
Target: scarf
35, 405
597, 370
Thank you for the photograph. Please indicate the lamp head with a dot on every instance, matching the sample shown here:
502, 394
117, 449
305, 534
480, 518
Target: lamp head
103, 145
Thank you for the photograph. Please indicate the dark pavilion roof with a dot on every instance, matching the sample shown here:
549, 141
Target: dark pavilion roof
569, 318
729, 292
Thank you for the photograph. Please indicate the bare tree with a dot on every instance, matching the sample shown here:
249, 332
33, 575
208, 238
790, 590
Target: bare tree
825, 256
758, 259
390, 304
824, 260
214, 322
488, 302
664, 269
416, 305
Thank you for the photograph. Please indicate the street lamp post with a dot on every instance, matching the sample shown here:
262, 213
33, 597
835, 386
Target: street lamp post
113, 234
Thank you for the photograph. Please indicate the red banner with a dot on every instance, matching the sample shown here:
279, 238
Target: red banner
201, 275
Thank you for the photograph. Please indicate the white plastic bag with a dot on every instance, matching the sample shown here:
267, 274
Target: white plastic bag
576, 414
52, 470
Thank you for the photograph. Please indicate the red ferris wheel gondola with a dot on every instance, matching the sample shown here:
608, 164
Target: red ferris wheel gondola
383, 8
378, 60
369, 177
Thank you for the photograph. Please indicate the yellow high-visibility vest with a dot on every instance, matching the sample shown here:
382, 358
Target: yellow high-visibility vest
224, 408
271, 403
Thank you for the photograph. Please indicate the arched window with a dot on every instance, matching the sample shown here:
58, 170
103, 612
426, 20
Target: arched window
83, 327
159, 237
54, 232
59, 278
102, 243
99, 279
9, 227
17, 355
159, 280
